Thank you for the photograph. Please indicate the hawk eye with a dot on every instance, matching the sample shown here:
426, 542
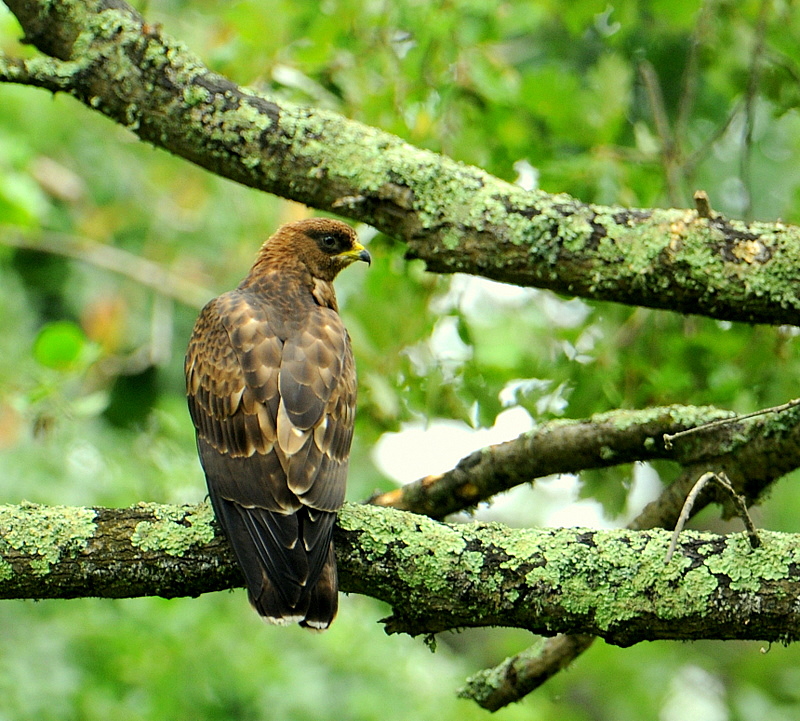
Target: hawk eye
328, 242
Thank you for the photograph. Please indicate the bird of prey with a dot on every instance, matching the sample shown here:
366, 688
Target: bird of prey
271, 385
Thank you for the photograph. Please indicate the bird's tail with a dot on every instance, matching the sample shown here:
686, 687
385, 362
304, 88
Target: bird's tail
287, 581
323, 599
315, 608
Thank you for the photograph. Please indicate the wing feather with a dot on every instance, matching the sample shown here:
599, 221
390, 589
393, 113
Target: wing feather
274, 413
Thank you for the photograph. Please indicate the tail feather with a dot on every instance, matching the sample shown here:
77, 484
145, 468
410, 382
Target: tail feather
287, 560
272, 606
282, 559
323, 599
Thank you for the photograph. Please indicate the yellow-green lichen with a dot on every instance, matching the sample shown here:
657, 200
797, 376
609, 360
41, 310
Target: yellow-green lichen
524, 543
612, 576
195, 94
623, 419
425, 572
747, 567
6, 571
607, 453
46, 533
606, 576
451, 239
175, 529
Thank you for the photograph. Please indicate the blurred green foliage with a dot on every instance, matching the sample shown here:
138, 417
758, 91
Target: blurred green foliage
60, 345
555, 93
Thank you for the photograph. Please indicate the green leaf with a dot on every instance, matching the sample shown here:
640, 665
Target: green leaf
59, 345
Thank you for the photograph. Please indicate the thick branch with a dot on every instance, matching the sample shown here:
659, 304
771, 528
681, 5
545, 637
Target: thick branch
145, 550
524, 672
752, 448
454, 217
562, 446
614, 584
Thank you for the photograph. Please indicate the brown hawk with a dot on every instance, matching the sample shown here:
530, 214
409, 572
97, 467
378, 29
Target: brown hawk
271, 385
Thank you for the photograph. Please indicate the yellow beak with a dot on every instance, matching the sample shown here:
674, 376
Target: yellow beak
357, 252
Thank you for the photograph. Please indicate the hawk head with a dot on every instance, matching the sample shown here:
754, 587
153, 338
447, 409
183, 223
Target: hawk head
323, 245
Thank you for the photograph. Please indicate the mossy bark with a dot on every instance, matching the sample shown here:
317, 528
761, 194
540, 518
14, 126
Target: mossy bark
754, 451
455, 217
436, 576
145, 550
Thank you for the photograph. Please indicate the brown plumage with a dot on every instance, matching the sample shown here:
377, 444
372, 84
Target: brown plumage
271, 385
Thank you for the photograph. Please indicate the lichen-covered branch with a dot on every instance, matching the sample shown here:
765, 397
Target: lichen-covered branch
522, 673
749, 446
757, 464
454, 217
145, 550
756, 451
561, 446
517, 676
614, 584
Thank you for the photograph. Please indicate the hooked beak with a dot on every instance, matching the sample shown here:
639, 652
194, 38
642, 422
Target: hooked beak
357, 252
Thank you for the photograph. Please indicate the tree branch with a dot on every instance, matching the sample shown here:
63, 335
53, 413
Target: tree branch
524, 672
517, 676
145, 272
762, 449
624, 433
455, 217
145, 550
613, 584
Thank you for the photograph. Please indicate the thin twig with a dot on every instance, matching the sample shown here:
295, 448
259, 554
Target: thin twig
687, 509
143, 271
517, 676
35, 73
741, 506
669, 146
670, 438
700, 154
689, 79
724, 482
